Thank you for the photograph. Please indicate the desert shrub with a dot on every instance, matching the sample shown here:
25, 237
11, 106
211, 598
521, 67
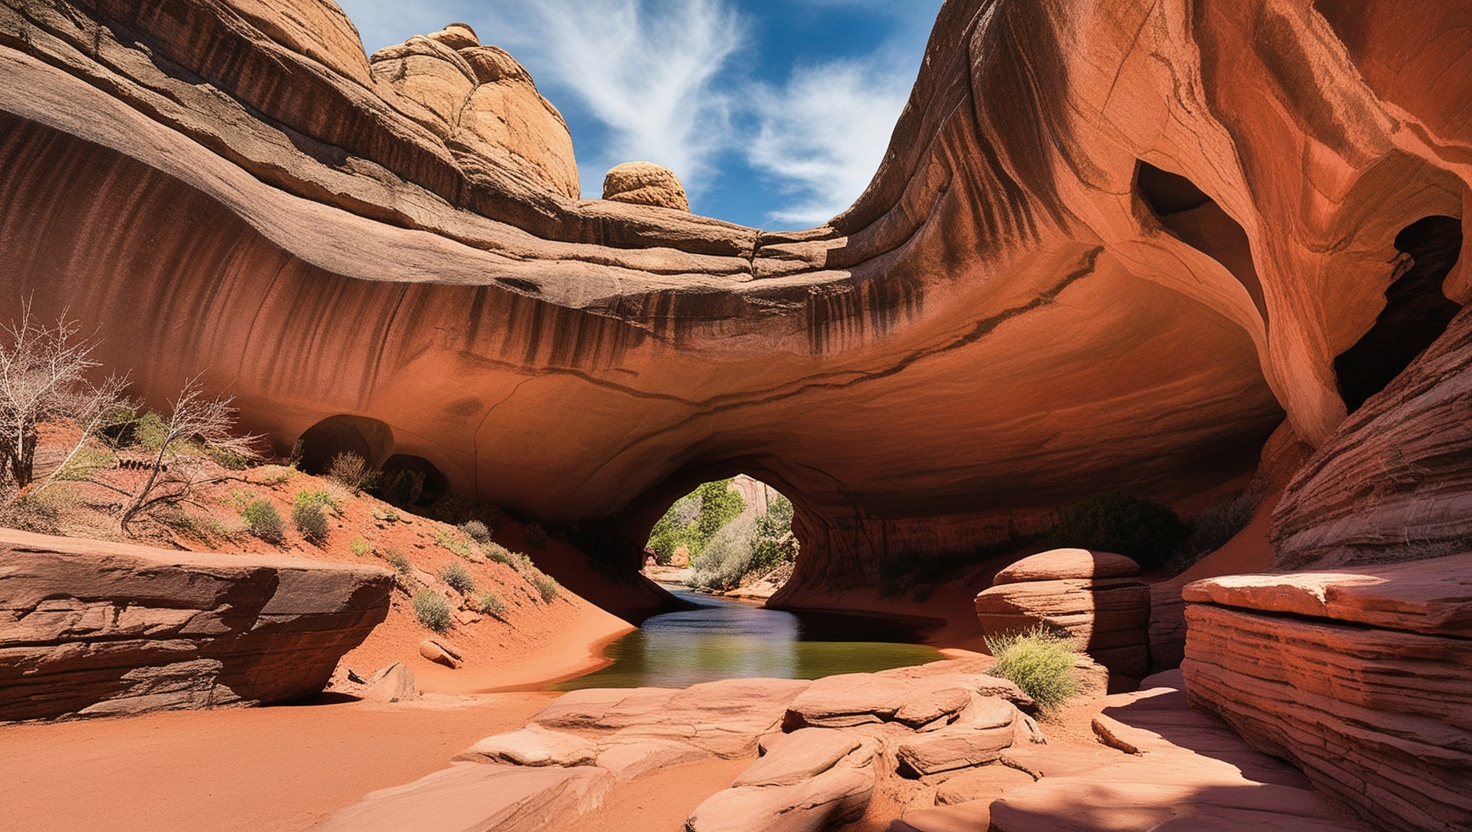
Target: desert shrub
454, 543
351, 470
1110, 521
262, 520
499, 554
546, 586
458, 578
457, 510
726, 558
401, 487
228, 459
385, 515
536, 536
274, 474
310, 519
400, 563
477, 530
41, 512
490, 604
360, 547
321, 497
1212, 528
432, 610
1040, 661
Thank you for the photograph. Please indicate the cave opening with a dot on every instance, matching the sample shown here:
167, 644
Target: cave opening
370, 439
1197, 220
1416, 311
408, 480
726, 535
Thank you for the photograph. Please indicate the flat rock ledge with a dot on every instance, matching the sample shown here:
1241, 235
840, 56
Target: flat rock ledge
95, 628
1360, 676
825, 749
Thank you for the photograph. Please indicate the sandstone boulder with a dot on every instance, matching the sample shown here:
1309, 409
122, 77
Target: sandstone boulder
643, 183
432, 81
394, 683
506, 124
1067, 563
858, 699
1109, 617
981, 783
953, 748
532, 746
777, 794
94, 628
440, 651
634, 758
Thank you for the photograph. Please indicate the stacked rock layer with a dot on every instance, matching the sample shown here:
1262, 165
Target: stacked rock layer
1359, 677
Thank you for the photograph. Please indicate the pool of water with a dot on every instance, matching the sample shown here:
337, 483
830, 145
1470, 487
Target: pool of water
724, 639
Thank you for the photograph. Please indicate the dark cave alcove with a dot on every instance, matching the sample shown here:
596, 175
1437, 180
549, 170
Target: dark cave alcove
1416, 311
369, 438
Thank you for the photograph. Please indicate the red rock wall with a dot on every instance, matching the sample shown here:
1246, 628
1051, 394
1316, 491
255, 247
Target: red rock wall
90, 628
1001, 324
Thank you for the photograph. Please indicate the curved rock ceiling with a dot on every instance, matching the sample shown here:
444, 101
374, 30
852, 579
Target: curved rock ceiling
1112, 244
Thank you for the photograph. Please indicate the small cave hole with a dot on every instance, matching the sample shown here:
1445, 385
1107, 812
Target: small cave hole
368, 438
408, 480
1196, 219
724, 535
1416, 311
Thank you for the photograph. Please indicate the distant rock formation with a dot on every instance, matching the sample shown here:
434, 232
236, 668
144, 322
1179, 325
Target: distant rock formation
642, 183
1112, 246
90, 628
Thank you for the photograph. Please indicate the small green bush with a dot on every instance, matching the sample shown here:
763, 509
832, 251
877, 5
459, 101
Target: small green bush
401, 487
536, 536
262, 520
432, 610
360, 547
458, 578
490, 604
400, 563
477, 530
726, 557
310, 520
1110, 521
321, 497
1040, 661
453, 542
547, 586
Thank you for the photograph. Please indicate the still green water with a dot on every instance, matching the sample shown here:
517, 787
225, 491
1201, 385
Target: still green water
726, 639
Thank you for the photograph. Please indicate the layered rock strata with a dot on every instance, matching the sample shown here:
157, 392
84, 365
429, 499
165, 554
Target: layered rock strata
1359, 677
1090, 596
92, 628
1393, 483
1181, 771
236, 189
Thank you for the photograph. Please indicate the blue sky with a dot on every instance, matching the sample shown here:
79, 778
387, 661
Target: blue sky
774, 113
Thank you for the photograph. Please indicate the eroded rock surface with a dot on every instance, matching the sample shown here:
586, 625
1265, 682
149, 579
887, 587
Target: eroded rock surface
1360, 677
1086, 595
94, 628
643, 183
1168, 183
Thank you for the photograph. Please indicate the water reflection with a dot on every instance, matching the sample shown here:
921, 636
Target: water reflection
725, 639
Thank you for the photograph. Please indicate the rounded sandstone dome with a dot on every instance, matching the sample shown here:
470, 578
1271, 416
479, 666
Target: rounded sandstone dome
1062, 564
645, 183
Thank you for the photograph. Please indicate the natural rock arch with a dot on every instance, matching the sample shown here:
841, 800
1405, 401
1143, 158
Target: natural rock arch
992, 330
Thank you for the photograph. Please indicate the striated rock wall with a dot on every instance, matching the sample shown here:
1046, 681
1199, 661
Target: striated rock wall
1204, 197
1358, 677
91, 628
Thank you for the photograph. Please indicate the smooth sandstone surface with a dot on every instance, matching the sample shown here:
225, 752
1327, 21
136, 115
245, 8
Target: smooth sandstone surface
454, 292
95, 628
1057, 564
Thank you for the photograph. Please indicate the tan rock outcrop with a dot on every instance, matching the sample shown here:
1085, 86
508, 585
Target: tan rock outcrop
1109, 617
1140, 233
94, 628
1359, 677
645, 183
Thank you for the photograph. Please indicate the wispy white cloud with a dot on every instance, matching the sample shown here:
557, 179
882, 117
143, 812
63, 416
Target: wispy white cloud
823, 134
650, 71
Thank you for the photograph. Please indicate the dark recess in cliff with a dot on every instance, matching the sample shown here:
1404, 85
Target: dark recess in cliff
1416, 312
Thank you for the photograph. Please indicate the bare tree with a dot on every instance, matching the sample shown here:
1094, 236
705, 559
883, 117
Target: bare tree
43, 377
177, 469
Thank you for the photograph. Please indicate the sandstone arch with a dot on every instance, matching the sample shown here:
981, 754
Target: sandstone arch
370, 439
992, 330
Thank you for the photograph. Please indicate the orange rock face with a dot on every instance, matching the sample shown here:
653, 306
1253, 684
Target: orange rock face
90, 628
1111, 246
1358, 677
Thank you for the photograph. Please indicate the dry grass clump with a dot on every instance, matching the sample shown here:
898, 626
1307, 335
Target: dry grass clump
1040, 661
432, 610
459, 579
